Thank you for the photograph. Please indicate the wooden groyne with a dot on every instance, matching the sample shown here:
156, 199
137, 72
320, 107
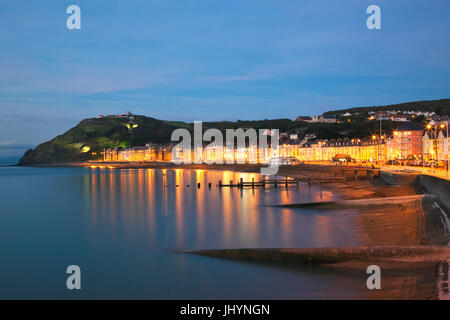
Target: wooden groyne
265, 183
276, 183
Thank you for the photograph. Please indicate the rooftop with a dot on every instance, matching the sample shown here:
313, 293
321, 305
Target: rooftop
409, 126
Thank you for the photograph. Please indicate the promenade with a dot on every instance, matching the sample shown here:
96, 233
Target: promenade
435, 172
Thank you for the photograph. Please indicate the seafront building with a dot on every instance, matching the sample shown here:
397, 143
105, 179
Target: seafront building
435, 146
406, 142
357, 151
150, 152
409, 143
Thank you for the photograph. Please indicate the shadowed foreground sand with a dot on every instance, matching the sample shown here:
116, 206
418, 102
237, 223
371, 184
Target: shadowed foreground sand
408, 272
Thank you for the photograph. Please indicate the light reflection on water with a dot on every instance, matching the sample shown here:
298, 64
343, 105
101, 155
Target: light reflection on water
120, 226
205, 217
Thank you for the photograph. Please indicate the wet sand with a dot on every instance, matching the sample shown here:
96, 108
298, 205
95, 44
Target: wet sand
410, 223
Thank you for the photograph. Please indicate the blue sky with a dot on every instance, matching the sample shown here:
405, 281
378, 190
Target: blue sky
212, 60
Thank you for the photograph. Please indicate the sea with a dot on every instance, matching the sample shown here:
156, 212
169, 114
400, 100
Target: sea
130, 231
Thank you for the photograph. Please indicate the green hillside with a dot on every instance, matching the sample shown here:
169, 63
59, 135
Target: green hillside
93, 135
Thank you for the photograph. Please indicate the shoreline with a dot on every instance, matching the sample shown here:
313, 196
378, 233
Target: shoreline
390, 222
398, 220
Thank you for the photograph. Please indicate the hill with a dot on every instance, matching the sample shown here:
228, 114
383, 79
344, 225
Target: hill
86, 140
440, 107
91, 136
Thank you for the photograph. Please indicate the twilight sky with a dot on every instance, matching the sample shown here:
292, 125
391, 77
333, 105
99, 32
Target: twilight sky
212, 60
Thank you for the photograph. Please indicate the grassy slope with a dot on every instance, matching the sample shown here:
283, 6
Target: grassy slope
98, 134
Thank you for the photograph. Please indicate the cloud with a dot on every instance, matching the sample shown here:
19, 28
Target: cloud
80, 78
212, 60
7, 143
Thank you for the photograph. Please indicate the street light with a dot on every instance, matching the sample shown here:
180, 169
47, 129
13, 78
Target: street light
446, 145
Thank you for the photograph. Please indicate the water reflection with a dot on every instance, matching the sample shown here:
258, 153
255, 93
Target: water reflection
117, 224
167, 208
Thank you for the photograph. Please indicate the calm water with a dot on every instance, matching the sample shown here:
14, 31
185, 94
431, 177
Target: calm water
7, 161
120, 227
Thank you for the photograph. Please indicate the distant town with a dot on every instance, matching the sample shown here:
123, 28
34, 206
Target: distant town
394, 115
410, 144
414, 133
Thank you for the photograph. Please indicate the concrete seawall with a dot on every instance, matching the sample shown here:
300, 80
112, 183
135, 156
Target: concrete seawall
440, 188
398, 177
392, 257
